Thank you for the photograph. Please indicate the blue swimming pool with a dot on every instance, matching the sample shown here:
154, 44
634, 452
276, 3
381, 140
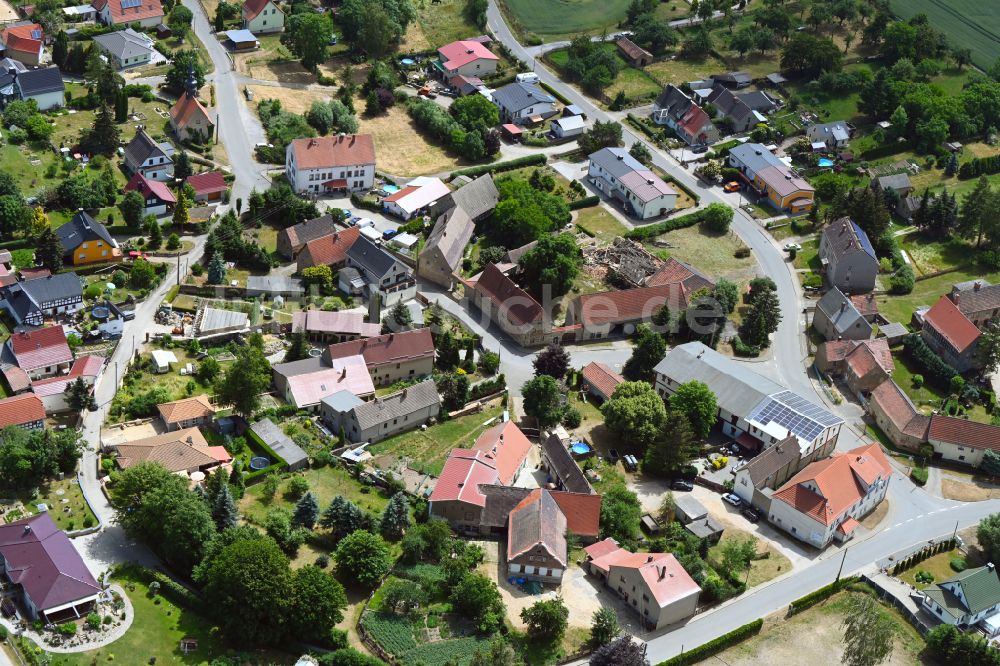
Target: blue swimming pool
408, 61
580, 448
391, 188
825, 162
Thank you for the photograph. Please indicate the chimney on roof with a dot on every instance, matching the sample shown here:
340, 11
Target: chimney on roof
27, 530
989, 565
190, 440
649, 558
958, 297
313, 142
649, 181
663, 572
621, 158
977, 286
343, 373
843, 306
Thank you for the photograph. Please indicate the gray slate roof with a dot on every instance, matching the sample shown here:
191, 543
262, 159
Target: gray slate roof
279, 442
372, 258
341, 401
980, 587
276, 284
141, 148
771, 460
81, 229
451, 235
573, 478
616, 161
897, 181
53, 287
843, 236
737, 388
397, 405
301, 367
124, 44
499, 502
756, 156
689, 506
478, 197
520, 95
40, 81
839, 309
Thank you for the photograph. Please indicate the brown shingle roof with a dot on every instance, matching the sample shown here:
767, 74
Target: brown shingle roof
520, 307
677, 272
978, 300
865, 304
177, 451
772, 459
388, 348
334, 151
629, 304
195, 407
537, 521
964, 433
632, 50
565, 467
898, 408
583, 512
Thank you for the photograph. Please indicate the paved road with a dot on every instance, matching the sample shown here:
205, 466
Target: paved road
915, 515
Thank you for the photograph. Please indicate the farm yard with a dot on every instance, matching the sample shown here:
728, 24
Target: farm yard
967, 23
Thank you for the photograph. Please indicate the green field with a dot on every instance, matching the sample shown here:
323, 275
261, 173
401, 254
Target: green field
565, 18
968, 24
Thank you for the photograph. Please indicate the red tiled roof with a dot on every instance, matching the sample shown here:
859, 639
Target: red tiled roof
40, 348
506, 446
537, 521
195, 407
955, 327
145, 10
506, 296
951, 430
85, 366
334, 151
147, 187
461, 477
677, 272
865, 304
209, 182
253, 8
399, 194
186, 108
601, 548
388, 348
869, 355
461, 53
331, 249
601, 377
24, 38
898, 408
629, 304
21, 409
583, 511
631, 49
694, 120
848, 526
841, 481
665, 578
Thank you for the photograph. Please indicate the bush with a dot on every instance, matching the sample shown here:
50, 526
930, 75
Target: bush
654, 230
741, 348
497, 167
902, 282
572, 418
813, 598
67, 629
716, 645
93, 621
917, 381
958, 564
919, 475
585, 202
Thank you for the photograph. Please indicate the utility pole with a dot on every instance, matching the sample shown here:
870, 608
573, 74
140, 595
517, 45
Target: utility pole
842, 560
955, 531
178, 270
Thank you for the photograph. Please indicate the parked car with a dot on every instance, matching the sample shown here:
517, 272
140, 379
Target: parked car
613, 456
732, 498
700, 148
792, 246
750, 515
388, 233
681, 484
732, 186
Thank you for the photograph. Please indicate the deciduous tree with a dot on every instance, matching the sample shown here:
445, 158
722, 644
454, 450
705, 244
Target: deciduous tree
552, 361
634, 414
363, 557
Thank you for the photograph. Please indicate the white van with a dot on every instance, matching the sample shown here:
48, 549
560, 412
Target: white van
527, 77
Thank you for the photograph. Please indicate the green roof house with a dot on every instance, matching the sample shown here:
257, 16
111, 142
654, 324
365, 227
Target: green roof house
965, 599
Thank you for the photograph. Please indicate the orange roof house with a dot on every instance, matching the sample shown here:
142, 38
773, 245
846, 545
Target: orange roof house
187, 413
655, 585
507, 447
147, 13
190, 120
208, 186
825, 500
951, 334
599, 380
24, 43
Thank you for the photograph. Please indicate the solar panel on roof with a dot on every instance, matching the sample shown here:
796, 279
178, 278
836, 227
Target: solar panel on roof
791, 411
129, 4
36, 34
866, 244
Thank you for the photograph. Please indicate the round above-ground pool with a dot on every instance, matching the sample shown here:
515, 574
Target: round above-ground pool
825, 162
259, 462
100, 313
580, 448
408, 61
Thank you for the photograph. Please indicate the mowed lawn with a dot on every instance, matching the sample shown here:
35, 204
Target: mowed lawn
325, 483
155, 635
769, 565
430, 447
566, 18
927, 292
444, 22
601, 223
713, 254
633, 82
970, 24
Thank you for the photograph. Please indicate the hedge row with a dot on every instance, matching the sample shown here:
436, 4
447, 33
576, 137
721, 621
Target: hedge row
169, 587
497, 167
933, 365
716, 645
653, 230
278, 463
819, 595
979, 166
488, 387
585, 202
555, 93
360, 202
641, 126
